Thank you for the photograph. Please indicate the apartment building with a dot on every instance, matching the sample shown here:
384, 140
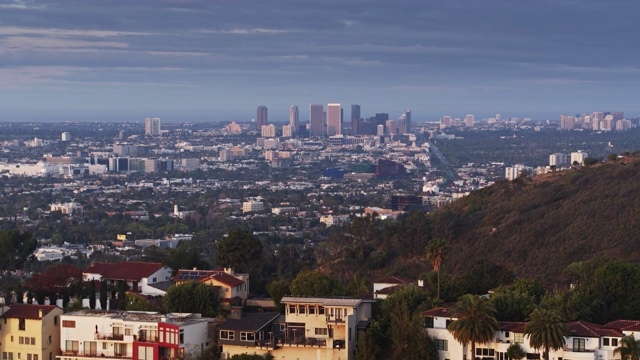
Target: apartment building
30, 332
132, 335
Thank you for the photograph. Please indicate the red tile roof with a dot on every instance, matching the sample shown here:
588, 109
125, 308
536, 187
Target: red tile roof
439, 312
513, 326
27, 311
227, 279
587, 329
124, 270
624, 325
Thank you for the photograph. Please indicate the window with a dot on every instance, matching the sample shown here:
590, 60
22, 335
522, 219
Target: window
226, 335
283, 327
71, 346
605, 341
155, 280
127, 331
442, 345
181, 336
90, 348
247, 336
292, 309
302, 309
518, 338
614, 342
506, 334
28, 356
22, 324
68, 323
35, 356
21, 340
428, 322
10, 356
312, 310
49, 340
4, 355
321, 331
33, 341
321, 310
55, 321
578, 345
485, 352
145, 353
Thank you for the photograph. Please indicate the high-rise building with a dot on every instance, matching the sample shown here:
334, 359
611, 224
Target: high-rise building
268, 130
261, 117
287, 131
567, 122
404, 122
66, 136
558, 159
316, 120
152, 126
456, 122
334, 120
578, 157
446, 122
355, 119
469, 120
294, 118
392, 127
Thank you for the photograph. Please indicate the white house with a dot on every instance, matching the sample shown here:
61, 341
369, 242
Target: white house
141, 277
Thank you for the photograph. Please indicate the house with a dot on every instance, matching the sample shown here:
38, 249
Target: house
30, 332
585, 341
234, 287
141, 277
313, 328
132, 335
383, 286
252, 330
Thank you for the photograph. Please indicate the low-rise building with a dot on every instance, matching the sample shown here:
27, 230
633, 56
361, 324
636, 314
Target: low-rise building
30, 332
141, 277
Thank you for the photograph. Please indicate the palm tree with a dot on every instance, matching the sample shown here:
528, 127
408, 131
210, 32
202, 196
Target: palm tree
436, 254
475, 321
546, 330
629, 348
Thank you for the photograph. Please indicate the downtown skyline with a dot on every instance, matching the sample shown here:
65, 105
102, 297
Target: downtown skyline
217, 61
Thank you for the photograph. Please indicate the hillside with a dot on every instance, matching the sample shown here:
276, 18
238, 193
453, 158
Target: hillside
538, 226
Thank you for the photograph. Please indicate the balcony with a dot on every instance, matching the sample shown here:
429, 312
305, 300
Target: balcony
334, 319
74, 353
107, 336
146, 339
304, 342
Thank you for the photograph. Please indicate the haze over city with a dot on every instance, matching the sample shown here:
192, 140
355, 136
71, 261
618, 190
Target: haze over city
213, 60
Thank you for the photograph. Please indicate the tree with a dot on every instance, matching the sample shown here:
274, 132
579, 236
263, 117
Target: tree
103, 294
122, 290
590, 161
313, 283
367, 348
193, 297
436, 254
516, 352
239, 250
92, 294
15, 248
546, 330
277, 289
629, 348
475, 321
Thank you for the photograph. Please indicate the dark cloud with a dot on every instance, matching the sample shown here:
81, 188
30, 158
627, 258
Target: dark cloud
433, 56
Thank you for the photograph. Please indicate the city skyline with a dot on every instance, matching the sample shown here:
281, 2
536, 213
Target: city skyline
213, 61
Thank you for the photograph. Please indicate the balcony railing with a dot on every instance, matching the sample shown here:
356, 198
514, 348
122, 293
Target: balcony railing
334, 319
107, 336
579, 350
146, 339
74, 353
305, 342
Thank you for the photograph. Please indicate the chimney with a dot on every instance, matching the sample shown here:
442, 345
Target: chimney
236, 312
40, 313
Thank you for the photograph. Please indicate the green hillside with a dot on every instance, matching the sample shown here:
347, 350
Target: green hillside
536, 227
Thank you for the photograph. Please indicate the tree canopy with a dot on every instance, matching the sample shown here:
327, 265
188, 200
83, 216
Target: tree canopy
192, 297
15, 248
239, 250
546, 330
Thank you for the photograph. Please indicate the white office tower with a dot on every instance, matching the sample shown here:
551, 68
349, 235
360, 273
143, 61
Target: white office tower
446, 122
66, 136
469, 120
152, 126
558, 159
287, 131
268, 130
578, 157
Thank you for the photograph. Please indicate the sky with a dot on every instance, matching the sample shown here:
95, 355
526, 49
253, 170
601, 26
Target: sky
210, 60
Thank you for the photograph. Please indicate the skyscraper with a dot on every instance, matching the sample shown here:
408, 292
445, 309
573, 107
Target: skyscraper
152, 126
261, 117
355, 119
469, 120
294, 118
316, 120
334, 120
404, 122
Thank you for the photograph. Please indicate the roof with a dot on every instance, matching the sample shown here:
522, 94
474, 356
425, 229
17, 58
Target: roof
393, 280
28, 311
124, 270
624, 325
587, 329
513, 326
203, 275
250, 321
352, 302
439, 312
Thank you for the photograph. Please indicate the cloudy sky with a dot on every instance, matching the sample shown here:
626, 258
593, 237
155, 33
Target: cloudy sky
218, 60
